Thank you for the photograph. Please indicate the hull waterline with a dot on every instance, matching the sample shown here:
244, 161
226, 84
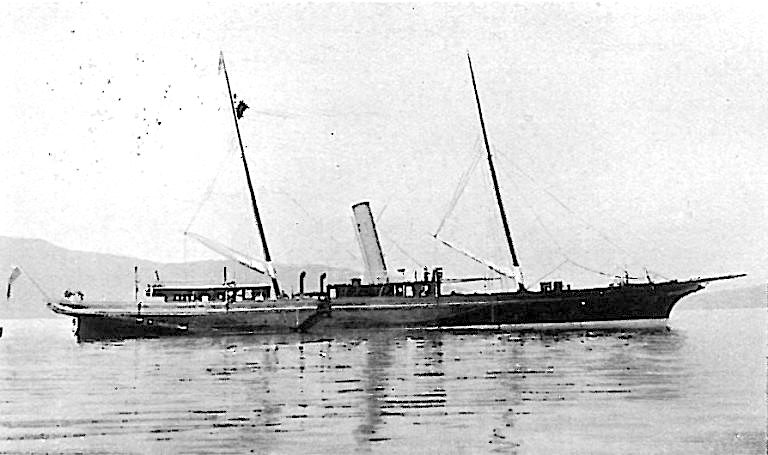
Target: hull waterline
631, 306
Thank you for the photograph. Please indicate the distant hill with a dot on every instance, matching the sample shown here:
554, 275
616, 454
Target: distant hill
110, 277
746, 297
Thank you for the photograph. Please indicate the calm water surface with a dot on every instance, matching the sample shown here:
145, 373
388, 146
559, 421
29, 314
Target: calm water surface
696, 388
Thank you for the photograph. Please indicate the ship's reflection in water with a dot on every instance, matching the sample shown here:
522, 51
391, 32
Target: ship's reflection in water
421, 391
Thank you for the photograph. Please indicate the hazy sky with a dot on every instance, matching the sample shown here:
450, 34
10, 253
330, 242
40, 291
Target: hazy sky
649, 122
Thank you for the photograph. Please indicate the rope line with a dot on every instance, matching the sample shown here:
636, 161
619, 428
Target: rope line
37, 285
551, 271
659, 274
206, 195
541, 223
559, 247
463, 181
602, 234
574, 263
536, 215
564, 206
415, 261
314, 219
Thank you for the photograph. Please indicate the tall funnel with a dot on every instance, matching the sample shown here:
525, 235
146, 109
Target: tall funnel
365, 229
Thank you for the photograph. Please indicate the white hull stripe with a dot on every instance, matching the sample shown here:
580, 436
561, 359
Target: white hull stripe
151, 310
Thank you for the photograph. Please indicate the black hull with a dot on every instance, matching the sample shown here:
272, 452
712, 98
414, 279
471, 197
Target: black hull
568, 309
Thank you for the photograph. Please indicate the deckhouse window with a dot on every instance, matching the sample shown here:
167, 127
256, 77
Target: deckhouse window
409, 290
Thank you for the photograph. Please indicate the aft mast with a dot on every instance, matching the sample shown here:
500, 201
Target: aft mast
267, 257
518, 276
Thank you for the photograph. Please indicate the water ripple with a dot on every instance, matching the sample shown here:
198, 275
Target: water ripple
689, 389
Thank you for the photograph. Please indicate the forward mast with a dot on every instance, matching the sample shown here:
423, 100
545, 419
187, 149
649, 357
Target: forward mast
504, 222
267, 257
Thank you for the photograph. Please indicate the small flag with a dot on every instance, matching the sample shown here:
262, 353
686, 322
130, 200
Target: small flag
241, 107
221, 61
15, 273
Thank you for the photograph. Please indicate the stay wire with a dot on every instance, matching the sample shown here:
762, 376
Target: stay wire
37, 285
535, 213
564, 206
207, 194
538, 219
462, 185
602, 234
574, 263
312, 218
551, 271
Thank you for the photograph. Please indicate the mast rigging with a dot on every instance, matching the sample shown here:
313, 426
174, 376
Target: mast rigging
267, 257
504, 222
